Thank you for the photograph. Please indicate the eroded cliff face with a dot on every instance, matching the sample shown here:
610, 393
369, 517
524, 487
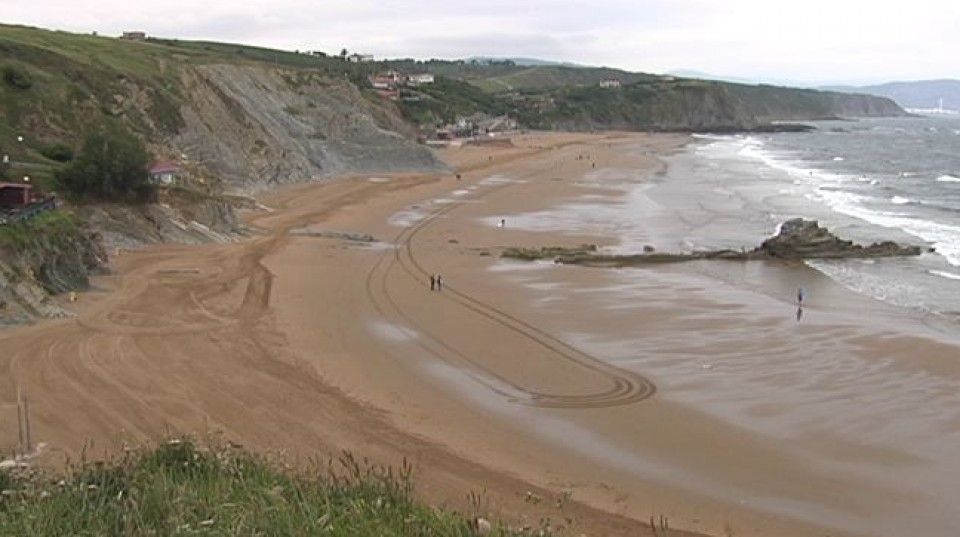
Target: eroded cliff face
53, 262
46, 264
134, 226
255, 127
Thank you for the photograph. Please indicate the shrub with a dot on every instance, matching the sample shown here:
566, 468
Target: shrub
58, 151
111, 166
17, 77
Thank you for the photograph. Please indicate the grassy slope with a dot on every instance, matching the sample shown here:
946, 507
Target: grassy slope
179, 489
75, 82
78, 80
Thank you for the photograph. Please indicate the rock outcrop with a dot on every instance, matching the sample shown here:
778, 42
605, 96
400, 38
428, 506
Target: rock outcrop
55, 259
47, 262
181, 217
797, 239
256, 127
805, 239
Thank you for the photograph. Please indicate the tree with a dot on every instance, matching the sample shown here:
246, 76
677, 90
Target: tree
111, 166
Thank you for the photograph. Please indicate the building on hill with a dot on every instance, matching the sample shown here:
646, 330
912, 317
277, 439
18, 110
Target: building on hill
388, 81
420, 79
360, 58
15, 195
610, 83
164, 173
382, 82
134, 36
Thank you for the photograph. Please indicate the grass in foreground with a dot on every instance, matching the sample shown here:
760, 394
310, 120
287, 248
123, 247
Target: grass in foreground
182, 489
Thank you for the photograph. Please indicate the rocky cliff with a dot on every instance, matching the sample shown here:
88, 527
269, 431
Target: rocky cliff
180, 217
698, 106
770, 103
255, 126
57, 252
53, 256
805, 239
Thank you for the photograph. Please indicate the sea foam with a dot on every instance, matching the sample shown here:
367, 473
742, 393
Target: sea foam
945, 274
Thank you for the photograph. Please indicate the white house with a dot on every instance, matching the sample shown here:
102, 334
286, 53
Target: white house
358, 58
164, 173
420, 79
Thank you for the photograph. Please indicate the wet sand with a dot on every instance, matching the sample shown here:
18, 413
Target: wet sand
687, 391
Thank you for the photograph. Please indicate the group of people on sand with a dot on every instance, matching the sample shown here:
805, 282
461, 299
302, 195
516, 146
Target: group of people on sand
436, 282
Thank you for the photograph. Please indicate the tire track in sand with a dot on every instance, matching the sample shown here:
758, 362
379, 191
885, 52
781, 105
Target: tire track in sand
626, 387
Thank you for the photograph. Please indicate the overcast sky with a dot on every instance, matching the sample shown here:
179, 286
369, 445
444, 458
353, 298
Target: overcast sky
802, 40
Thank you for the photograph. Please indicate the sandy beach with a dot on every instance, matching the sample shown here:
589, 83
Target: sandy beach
691, 392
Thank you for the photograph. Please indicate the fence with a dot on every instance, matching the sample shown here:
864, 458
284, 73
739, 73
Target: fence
28, 211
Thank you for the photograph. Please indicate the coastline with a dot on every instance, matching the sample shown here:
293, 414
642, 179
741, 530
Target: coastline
309, 344
435, 412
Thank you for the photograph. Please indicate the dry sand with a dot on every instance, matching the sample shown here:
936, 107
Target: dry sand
305, 344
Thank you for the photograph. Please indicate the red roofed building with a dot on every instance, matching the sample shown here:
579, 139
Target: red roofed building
164, 173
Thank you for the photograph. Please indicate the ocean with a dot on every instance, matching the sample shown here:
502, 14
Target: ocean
866, 180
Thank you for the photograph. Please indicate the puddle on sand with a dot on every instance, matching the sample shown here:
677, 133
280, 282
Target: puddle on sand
393, 332
568, 435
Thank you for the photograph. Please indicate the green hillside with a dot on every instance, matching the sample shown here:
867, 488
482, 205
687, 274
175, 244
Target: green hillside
569, 97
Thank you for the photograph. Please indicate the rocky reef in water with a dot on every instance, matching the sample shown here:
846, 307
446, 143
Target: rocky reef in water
798, 239
805, 239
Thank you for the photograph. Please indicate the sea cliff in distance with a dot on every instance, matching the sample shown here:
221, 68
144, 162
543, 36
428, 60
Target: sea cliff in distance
923, 96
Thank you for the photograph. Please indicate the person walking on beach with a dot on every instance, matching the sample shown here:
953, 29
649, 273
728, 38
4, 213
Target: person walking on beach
439, 283
433, 282
800, 297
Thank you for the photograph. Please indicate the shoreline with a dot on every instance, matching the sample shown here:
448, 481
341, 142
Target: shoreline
310, 344
462, 271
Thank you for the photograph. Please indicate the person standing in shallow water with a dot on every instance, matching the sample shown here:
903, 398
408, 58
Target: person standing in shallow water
800, 297
433, 282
